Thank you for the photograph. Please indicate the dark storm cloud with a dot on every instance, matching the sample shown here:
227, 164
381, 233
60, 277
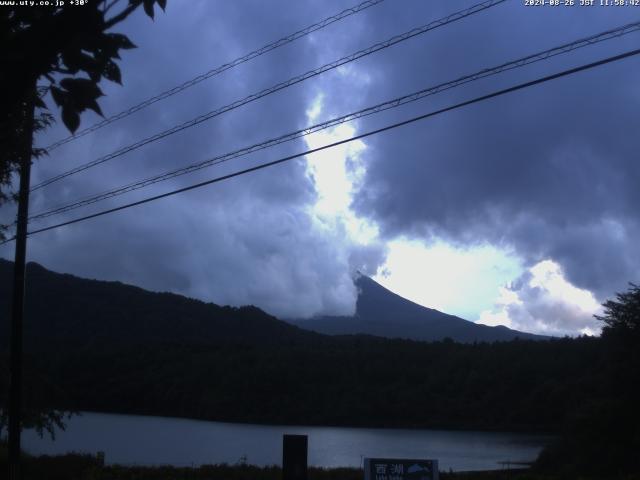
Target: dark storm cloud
552, 170
251, 240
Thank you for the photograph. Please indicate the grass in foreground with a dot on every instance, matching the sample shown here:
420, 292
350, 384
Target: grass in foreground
87, 467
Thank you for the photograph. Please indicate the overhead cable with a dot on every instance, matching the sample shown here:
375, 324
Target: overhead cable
341, 142
275, 88
396, 102
216, 71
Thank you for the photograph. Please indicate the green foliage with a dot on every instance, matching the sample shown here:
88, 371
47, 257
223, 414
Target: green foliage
105, 346
46, 420
71, 50
60, 43
622, 316
3, 452
86, 467
602, 435
37, 414
13, 131
350, 381
65, 467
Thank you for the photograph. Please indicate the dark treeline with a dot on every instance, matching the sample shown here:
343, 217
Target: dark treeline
519, 385
105, 346
561, 386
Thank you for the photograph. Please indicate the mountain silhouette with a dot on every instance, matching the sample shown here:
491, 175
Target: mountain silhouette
383, 313
109, 347
63, 309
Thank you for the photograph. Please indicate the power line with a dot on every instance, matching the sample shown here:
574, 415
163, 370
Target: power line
218, 70
396, 102
280, 86
341, 142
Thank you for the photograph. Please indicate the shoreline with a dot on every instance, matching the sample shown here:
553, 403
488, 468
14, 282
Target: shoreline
85, 466
153, 441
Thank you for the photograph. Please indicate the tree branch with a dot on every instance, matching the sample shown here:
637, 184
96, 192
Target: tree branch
108, 7
121, 16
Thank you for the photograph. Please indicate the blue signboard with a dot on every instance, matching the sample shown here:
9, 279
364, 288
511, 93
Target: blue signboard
400, 469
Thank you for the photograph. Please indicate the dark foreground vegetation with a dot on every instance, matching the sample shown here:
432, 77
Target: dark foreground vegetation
525, 386
243, 365
86, 467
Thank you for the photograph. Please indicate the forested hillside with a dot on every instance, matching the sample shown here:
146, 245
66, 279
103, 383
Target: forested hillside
162, 354
63, 309
107, 346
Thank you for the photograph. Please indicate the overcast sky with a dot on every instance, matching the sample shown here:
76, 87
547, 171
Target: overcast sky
521, 210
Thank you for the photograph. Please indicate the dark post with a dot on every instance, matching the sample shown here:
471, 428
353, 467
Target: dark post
17, 305
294, 457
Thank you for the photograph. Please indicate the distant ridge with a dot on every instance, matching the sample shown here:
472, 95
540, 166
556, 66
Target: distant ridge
383, 313
108, 347
63, 309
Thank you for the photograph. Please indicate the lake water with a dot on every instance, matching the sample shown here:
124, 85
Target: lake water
139, 440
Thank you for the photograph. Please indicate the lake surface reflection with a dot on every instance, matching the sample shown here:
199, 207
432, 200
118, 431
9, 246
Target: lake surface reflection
139, 440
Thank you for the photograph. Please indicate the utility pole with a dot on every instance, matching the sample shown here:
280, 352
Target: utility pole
17, 305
